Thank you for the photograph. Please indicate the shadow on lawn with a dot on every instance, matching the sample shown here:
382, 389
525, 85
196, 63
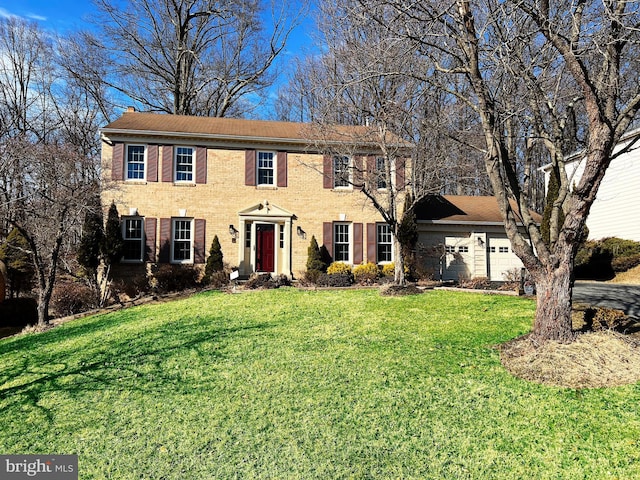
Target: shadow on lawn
133, 364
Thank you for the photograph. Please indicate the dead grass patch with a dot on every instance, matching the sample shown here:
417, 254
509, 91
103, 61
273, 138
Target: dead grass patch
630, 277
593, 360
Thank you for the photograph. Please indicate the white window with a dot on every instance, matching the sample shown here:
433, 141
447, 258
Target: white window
384, 243
266, 168
503, 249
341, 245
182, 241
341, 172
184, 164
135, 162
281, 236
133, 236
463, 249
381, 173
450, 249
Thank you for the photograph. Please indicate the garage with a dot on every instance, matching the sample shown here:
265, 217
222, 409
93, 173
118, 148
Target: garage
459, 258
501, 258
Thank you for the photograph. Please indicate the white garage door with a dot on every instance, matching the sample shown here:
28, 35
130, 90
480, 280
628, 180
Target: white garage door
501, 258
459, 258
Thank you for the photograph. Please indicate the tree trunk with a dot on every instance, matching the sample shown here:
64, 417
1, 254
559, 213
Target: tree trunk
44, 297
554, 302
399, 277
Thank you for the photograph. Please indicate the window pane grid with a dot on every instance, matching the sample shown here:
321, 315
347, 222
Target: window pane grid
384, 243
381, 173
340, 171
265, 168
135, 162
184, 164
133, 237
341, 243
182, 240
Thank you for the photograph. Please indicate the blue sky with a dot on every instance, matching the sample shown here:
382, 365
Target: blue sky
68, 15
63, 15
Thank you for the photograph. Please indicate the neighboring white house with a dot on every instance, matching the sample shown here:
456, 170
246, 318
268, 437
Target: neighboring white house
463, 237
615, 210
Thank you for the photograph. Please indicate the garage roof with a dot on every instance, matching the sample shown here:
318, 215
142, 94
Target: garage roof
461, 209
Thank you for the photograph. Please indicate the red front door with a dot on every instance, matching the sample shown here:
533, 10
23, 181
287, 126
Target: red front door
265, 248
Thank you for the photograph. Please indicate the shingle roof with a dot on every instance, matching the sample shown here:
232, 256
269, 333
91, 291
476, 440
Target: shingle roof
232, 128
460, 208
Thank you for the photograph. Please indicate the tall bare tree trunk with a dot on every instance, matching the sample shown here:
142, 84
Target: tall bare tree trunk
554, 304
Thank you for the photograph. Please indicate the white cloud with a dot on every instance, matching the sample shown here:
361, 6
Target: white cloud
34, 16
4, 13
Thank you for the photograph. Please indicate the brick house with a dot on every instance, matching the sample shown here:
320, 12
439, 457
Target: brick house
260, 186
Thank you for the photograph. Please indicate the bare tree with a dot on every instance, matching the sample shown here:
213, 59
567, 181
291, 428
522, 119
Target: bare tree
48, 151
192, 57
367, 79
55, 195
540, 77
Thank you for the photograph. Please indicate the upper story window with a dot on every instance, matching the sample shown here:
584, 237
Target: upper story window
133, 236
135, 162
381, 173
182, 241
184, 164
384, 243
341, 171
266, 168
341, 243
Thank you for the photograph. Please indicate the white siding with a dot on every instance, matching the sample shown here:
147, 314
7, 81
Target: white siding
615, 211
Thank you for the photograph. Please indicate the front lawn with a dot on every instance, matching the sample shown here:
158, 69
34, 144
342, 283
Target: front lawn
292, 384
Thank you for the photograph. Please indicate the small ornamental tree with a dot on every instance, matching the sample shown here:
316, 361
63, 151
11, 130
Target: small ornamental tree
16, 255
112, 248
91, 243
112, 244
315, 262
215, 261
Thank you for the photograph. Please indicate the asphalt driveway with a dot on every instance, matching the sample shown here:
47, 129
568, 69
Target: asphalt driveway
620, 297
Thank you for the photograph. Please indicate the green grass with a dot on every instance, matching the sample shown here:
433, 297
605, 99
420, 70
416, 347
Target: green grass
293, 384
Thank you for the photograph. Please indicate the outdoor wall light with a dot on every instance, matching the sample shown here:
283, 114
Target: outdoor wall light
301, 233
480, 241
233, 232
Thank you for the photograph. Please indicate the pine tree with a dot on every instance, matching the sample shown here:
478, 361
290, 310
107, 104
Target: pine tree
214, 261
315, 263
92, 240
112, 245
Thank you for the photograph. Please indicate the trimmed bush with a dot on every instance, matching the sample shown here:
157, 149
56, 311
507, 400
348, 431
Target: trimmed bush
339, 268
218, 280
125, 289
602, 259
71, 298
175, 278
335, 280
389, 269
366, 273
